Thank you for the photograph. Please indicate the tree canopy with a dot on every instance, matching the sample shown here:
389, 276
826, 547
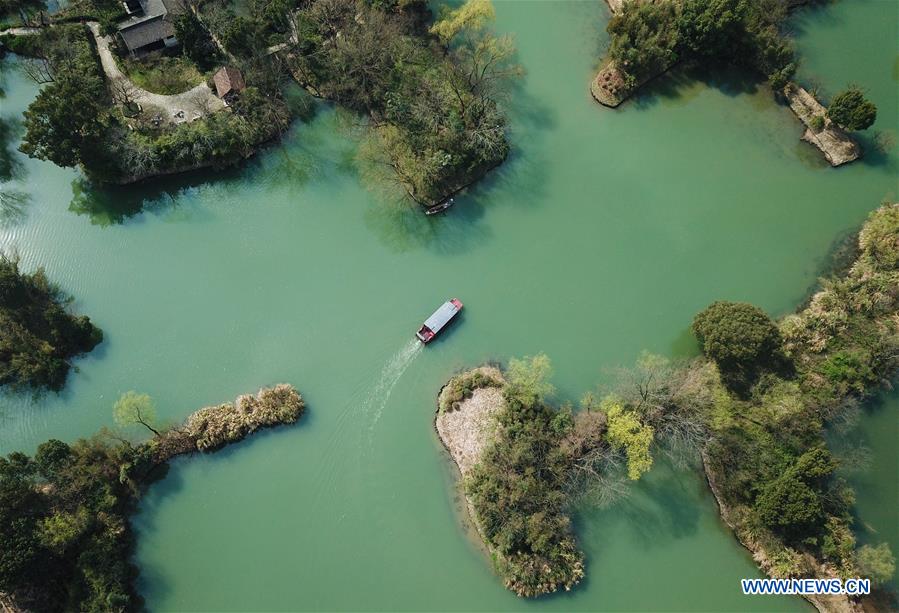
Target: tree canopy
38, 336
133, 408
65, 540
740, 338
850, 109
647, 37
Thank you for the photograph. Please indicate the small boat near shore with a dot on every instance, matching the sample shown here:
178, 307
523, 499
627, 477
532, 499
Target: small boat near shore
438, 320
438, 208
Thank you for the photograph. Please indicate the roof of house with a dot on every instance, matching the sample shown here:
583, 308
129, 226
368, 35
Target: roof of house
228, 79
153, 25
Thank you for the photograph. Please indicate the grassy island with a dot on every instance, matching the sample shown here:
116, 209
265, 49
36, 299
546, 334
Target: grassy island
38, 335
507, 443
66, 541
754, 408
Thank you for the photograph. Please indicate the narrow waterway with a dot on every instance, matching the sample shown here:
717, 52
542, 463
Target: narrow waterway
601, 237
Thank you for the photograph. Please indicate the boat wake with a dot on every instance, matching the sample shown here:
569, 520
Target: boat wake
393, 370
357, 421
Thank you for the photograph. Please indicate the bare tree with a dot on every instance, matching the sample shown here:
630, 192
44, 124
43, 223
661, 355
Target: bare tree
123, 92
38, 70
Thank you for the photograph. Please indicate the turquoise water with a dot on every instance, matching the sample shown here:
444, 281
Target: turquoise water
599, 238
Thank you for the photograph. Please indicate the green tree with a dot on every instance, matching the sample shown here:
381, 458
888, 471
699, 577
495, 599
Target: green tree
851, 110
133, 408
876, 562
643, 38
529, 379
627, 432
67, 121
789, 506
196, 41
52, 457
740, 338
62, 529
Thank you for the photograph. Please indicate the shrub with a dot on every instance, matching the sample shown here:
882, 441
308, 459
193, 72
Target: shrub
817, 123
850, 370
461, 387
877, 562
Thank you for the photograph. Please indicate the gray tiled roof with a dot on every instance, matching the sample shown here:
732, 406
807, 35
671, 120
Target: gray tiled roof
154, 25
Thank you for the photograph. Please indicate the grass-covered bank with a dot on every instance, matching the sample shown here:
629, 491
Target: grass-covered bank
66, 542
756, 407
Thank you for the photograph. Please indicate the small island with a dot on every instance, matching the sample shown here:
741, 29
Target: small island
65, 512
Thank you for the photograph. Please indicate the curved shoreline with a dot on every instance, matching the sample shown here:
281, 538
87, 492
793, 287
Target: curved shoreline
456, 453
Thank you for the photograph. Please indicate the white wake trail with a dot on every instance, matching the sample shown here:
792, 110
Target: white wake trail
390, 376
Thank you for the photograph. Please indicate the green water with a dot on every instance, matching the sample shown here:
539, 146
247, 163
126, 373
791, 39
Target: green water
600, 237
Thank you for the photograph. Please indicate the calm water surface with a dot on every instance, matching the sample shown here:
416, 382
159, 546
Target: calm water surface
601, 237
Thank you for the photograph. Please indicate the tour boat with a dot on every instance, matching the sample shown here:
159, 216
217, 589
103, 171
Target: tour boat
437, 208
436, 322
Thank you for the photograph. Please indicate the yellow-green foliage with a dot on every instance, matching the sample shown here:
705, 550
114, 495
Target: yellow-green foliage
626, 431
470, 16
60, 530
529, 379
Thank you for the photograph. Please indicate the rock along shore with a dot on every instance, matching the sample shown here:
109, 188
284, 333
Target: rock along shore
609, 88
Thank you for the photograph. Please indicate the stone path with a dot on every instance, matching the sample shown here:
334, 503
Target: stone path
177, 108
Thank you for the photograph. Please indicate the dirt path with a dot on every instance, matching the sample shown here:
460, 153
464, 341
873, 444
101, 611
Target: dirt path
176, 108
20, 31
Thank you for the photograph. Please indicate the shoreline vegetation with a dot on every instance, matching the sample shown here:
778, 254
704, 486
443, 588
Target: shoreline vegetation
754, 408
39, 336
650, 37
65, 513
429, 89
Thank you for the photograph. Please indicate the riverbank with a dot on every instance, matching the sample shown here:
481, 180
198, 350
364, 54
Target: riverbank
214, 427
843, 346
463, 424
825, 603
